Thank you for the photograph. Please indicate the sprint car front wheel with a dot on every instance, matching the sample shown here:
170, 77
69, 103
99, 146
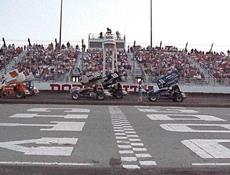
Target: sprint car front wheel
153, 97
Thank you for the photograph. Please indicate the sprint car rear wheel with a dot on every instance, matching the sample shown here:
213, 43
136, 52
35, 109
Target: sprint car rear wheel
19, 95
118, 95
75, 96
178, 98
100, 96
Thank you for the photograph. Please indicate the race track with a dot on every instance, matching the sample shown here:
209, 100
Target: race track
193, 100
87, 139
52, 134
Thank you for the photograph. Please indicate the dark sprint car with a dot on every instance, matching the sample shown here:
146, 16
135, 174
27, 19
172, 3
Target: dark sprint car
112, 87
168, 89
97, 87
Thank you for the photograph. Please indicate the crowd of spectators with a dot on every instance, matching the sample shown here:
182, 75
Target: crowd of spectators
160, 61
124, 66
48, 63
217, 64
93, 62
8, 54
51, 63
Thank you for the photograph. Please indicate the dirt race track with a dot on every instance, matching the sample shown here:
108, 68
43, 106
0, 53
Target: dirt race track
192, 100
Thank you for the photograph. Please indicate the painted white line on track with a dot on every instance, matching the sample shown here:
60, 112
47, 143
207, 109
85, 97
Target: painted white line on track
143, 155
131, 166
161, 107
118, 127
139, 149
55, 126
124, 146
126, 124
118, 130
129, 159
128, 129
137, 144
211, 164
67, 110
223, 128
68, 116
46, 163
135, 136
122, 138
169, 111
147, 163
126, 152
135, 140
120, 134
130, 132
183, 117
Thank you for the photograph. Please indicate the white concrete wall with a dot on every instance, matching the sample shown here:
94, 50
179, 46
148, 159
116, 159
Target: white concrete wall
132, 87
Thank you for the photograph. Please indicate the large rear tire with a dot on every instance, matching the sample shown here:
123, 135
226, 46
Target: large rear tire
178, 98
100, 96
19, 95
118, 95
75, 96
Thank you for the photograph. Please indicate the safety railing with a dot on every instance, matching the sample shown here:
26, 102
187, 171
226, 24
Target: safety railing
93, 36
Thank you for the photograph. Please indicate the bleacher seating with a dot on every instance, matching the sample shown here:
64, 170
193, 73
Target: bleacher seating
156, 62
48, 64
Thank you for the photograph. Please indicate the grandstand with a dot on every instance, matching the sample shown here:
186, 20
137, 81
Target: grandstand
194, 67
45, 64
216, 65
49, 64
157, 62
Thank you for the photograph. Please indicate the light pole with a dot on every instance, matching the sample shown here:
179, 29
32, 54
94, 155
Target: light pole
4, 61
4, 53
82, 54
60, 32
151, 24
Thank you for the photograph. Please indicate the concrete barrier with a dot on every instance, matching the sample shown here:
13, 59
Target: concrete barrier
134, 87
